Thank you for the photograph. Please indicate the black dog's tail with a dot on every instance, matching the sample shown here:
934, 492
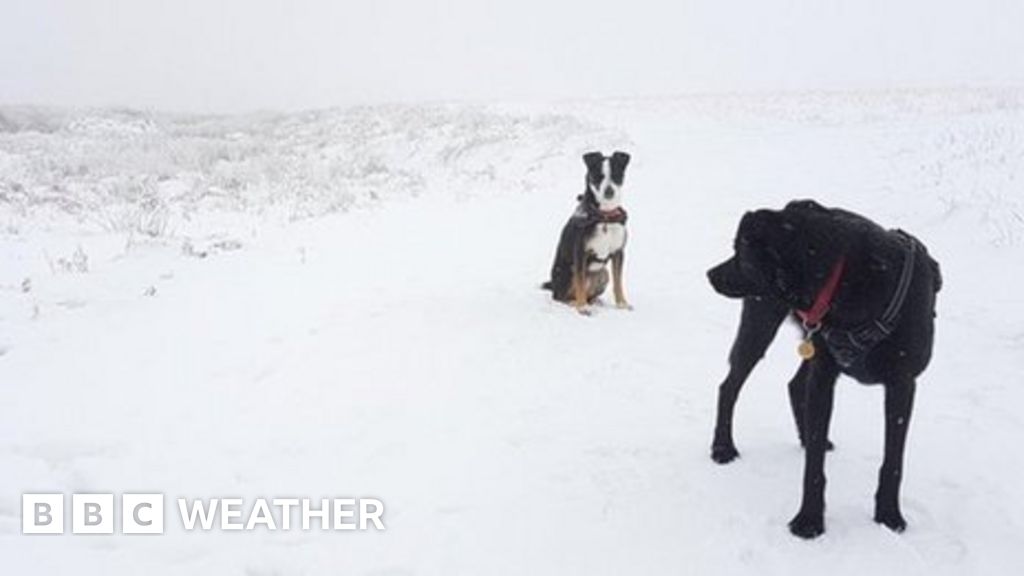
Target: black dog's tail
547, 286
936, 274
934, 265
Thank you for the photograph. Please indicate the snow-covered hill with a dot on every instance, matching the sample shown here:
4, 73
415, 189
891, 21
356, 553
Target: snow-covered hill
346, 303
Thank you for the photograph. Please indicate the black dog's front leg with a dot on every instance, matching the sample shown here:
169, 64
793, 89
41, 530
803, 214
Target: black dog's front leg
798, 401
810, 520
899, 402
798, 398
759, 322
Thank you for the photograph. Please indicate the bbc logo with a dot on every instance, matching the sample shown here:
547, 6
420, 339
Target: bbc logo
92, 513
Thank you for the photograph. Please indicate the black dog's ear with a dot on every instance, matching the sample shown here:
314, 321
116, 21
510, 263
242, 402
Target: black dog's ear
755, 225
619, 161
805, 205
593, 161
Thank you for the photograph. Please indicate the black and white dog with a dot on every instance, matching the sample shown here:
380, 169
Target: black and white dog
595, 234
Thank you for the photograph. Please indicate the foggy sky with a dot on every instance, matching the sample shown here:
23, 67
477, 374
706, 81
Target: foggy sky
234, 55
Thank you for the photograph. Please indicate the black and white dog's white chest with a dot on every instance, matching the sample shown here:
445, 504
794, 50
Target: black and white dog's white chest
606, 239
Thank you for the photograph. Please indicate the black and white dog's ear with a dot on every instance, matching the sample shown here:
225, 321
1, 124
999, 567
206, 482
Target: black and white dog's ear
618, 162
593, 160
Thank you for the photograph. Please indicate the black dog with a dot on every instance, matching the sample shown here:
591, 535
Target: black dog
866, 299
594, 234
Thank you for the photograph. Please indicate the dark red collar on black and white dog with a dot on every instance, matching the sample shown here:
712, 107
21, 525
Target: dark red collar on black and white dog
616, 216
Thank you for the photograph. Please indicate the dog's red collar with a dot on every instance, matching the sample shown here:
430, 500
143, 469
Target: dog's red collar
616, 216
812, 318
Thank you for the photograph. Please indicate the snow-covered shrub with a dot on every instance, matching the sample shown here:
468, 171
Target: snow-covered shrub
158, 174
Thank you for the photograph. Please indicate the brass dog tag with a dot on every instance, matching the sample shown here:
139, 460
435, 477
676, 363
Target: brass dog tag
806, 349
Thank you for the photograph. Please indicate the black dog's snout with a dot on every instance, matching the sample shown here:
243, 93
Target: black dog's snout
715, 277
727, 280
711, 273
609, 193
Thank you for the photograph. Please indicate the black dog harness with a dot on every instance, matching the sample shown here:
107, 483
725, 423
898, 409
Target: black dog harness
849, 347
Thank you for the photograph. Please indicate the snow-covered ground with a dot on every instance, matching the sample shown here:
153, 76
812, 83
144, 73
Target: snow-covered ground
345, 303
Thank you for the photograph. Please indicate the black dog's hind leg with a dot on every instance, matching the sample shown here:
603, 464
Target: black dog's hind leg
760, 321
798, 402
810, 520
899, 403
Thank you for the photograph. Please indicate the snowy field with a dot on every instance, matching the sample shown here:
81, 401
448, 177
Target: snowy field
345, 303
